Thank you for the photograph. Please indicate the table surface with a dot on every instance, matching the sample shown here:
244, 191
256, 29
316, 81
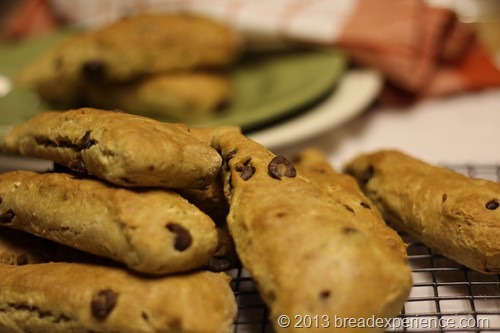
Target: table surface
461, 129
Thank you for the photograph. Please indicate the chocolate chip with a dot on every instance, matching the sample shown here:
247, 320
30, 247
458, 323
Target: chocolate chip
230, 155
7, 217
492, 204
365, 205
366, 175
183, 238
319, 170
221, 106
349, 208
279, 167
324, 294
247, 172
219, 264
86, 142
280, 214
103, 303
444, 197
271, 296
94, 70
349, 230
175, 324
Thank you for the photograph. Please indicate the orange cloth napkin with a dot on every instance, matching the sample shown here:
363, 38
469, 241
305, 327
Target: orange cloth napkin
422, 51
30, 18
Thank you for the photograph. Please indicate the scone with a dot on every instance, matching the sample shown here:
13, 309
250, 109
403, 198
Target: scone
343, 190
70, 297
307, 256
151, 231
453, 214
128, 49
22, 248
124, 149
179, 97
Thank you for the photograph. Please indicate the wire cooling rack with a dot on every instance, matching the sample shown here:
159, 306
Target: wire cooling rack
446, 296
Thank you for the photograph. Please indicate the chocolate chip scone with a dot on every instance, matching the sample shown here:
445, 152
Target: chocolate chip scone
130, 48
70, 297
180, 97
152, 231
453, 214
343, 190
124, 149
307, 256
22, 248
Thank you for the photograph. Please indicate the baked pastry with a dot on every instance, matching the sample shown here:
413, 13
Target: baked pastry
151, 231
71, 297
131, 48
453, 214
307, 256
181, 97
121, 148
342, 189
210, 200
21, 248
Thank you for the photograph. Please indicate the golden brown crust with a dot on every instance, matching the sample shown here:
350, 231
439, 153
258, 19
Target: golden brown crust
133, 47
124, 149
343, 190
455, 215
306, 255
21, 248
69, 297
181, 97
210, 200
151, 231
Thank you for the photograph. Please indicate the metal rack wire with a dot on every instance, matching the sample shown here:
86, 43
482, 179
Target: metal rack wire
446, 296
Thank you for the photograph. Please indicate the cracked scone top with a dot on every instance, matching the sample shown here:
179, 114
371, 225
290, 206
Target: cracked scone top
123, 149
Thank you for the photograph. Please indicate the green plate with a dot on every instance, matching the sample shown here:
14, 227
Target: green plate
268, 86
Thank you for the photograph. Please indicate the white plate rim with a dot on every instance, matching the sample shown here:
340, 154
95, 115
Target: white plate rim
356, 90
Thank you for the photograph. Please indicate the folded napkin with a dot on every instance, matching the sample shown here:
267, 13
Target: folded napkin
421, 50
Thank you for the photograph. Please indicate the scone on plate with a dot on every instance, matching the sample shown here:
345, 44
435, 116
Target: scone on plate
181, 96
132, 50
137, 46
